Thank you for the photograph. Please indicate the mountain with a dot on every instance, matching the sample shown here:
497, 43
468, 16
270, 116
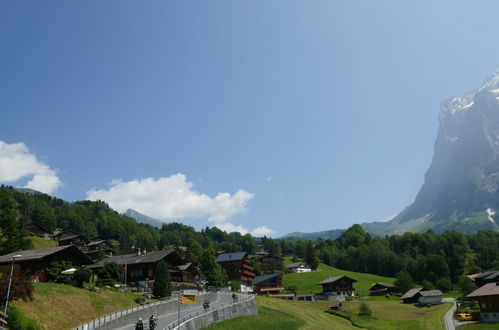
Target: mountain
460, 190
327, 234
142, 218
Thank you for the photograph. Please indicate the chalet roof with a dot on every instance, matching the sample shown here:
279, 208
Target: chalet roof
383, 284
29, 225
430, 293
296, 265
231, 256
334, 279
99, 241
130, 259
489, 289
411, 293
185, 266
263, 278
39, 254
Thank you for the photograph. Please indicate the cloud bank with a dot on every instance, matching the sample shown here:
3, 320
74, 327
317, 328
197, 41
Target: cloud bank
17, 162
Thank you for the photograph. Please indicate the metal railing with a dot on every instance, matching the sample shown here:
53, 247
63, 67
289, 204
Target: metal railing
186, 317
116, 315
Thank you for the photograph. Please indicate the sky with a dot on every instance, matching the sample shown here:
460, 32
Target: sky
265, 117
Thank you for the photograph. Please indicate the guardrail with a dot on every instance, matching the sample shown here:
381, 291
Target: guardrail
116, 315
175, 325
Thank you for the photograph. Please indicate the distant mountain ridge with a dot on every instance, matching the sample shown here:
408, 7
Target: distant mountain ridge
142, 218
326, 234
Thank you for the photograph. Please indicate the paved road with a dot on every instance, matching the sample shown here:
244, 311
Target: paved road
185, 309
448, 317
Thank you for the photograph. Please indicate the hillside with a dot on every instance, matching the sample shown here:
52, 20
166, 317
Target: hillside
307, 282
327, 234
59, 306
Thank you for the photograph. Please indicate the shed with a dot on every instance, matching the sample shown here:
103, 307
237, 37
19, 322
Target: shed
430, 297
412, 296
381, 289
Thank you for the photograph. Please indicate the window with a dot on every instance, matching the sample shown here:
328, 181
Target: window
484, 305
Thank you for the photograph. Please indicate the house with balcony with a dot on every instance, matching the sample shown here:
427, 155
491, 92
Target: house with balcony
238, 267
269, 284
338, 286
487, 297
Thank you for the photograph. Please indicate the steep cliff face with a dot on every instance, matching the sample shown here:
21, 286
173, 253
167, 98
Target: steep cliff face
461, 188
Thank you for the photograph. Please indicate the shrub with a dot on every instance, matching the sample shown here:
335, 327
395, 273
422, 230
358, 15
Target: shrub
82, 275
19, 321
21, 287
140, 300
235, 285
54, 271
365, 310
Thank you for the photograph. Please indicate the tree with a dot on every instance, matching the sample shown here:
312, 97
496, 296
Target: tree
162, 286
194, 251
112, 272
212, 271
54, 271
12, 237
82, 275
443, 284
235, 285
466, 285
311, 256
403, 282
21, 287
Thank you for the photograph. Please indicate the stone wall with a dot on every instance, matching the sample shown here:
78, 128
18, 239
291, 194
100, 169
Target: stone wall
247, 307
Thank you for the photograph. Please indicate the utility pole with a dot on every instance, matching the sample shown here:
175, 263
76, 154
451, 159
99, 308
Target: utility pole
10, 282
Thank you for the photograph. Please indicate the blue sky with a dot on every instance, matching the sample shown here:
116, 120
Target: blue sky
262, 116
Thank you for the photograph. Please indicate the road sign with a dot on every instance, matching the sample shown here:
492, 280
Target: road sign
190, 292
188, 299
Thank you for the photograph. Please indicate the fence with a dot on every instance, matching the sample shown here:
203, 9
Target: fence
239, 307
126, 316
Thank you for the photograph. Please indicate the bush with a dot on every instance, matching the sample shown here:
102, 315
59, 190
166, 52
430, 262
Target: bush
365, 310
235, 285
54, 271
19, 321
140, 300
21, 287
82, 275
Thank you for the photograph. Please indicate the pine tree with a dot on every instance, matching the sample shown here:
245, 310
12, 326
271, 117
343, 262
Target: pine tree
162, 286
11, 233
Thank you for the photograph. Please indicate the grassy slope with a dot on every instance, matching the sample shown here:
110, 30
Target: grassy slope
285, 314
59, 306
307, 282
395, 315
39, 243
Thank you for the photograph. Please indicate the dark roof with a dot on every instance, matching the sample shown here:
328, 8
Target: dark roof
185, 266
491, 276
386, 285
130, 259
430, 293
263, 278
297, 264
489, 289
96, 242
411, 293
334, 279
231, 256
37, 254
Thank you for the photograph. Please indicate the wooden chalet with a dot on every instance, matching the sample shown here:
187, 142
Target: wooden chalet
37, 230
412, 296
487, 297
269, 263
35, 262
141, 266
98, 247
268, 284
237, 265
339, 285
481, 279
431, 297
298, 267
184, 273
71, 237
381, 289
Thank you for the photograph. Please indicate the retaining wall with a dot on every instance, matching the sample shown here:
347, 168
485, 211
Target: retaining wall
130, 316
243, 308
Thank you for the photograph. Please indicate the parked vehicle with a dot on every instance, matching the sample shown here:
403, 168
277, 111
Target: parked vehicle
464, 317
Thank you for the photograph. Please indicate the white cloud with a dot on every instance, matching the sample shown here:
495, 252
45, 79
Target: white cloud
171, 198
259, 231
17, 162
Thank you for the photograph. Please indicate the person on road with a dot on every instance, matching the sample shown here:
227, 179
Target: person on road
152, 322
206, 304
234, 297
139, 325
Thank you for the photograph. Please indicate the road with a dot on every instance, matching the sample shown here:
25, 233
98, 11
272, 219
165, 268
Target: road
185, 309
448, 317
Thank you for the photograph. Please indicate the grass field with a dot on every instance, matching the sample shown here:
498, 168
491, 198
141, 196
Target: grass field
286, 314
395, 315
59, 306
307, 282
39, 243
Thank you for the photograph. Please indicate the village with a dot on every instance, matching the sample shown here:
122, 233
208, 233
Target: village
138, 276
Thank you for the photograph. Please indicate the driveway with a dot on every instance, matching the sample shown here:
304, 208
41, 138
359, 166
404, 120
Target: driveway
448, 317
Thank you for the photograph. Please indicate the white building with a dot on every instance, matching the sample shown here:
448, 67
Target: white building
298, 267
